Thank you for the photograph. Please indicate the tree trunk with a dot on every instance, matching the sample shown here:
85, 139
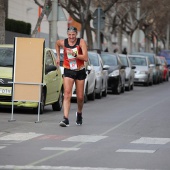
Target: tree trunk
129, 46
89, 35
120, 39
39, 19
2, 22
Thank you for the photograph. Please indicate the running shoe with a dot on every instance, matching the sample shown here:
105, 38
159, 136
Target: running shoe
79, 118
64, 123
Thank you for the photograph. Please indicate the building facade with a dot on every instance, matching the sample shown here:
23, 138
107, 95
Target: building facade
28, 11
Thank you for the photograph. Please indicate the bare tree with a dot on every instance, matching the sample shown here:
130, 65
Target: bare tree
79, 10
46, 8
2, 22
120, 17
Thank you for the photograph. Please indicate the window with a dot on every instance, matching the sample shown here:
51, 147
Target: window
49, 60
6, 56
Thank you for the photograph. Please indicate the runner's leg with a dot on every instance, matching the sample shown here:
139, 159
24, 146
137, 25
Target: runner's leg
68, 85
80, 94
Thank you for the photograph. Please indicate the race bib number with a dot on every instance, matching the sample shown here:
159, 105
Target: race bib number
70, 55
73, 65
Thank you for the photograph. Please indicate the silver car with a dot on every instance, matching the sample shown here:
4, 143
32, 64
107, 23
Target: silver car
143, 71
89, 85
130, 74
101, 71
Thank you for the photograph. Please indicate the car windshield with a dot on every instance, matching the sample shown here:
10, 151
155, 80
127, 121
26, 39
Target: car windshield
149, 55
138, 61
93, 59
124, 61
109, 59
61, 59
165, 53
6, 57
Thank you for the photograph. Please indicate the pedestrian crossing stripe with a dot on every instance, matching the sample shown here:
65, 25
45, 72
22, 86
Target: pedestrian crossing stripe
85, 138
152, 141
61, 168
60, 149
19, 136
1, 147
135, 151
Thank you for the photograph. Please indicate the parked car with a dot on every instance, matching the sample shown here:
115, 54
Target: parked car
160, 69
166, 54
89, 85
129, 80
61, 59
116, 78
155, 64
52, 91
165, 68
143, 71
101, 71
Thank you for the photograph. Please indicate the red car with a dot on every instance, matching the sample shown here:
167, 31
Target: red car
165, 68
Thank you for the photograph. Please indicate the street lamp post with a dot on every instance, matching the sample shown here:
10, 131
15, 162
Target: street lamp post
138, 17
53, 26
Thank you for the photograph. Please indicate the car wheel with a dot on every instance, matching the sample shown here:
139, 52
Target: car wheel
132, 86
86, 94
128, 87
105, 91
92, 95
167, 78
118, 88
99, 95
57, 106
123, 88
147, 83
42, 103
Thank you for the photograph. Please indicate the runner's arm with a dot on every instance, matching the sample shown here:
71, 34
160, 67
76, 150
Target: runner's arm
84, 55
59, 43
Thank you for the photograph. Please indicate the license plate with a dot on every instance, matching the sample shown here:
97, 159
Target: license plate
5, 91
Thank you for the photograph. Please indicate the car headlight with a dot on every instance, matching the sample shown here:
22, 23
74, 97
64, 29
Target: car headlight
114, 73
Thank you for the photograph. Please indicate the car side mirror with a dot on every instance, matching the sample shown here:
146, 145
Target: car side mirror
123, 66
106, 67
89, 68
133, 67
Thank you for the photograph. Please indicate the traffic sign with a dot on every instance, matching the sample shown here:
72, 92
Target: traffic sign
99, 16
140, 34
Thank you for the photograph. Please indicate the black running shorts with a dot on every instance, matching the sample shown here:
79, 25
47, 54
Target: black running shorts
76, 75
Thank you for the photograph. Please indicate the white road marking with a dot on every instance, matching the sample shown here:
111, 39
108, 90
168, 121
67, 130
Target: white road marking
1, 147
1, 133
61, 168
60, 149
135, 151
148, 140
20, 136
85, 138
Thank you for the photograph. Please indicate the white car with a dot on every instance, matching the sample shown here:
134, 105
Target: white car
129, 79
89, 86
101, 74
143, 70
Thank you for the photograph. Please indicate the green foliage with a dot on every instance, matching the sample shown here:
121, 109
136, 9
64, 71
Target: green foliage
17, 26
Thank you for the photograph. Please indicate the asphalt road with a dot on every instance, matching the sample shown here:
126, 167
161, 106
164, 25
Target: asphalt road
130, 131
